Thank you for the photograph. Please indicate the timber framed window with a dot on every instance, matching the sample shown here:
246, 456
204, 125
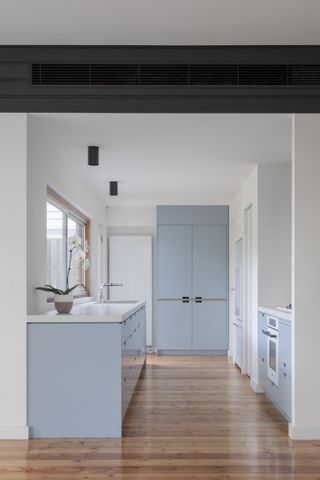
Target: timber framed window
64, 221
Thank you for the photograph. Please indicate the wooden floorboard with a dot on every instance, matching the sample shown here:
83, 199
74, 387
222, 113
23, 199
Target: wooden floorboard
191, 418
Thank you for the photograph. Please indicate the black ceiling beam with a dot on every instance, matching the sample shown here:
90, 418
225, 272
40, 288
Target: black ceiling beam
17, 94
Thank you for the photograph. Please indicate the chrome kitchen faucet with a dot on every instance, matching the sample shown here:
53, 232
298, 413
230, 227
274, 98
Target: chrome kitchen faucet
101, 298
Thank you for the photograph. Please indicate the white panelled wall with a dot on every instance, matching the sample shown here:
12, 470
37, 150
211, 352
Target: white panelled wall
13, 261
130, 263
137, 221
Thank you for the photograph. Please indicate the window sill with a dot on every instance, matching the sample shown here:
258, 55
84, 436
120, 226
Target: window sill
75, 298
77, 301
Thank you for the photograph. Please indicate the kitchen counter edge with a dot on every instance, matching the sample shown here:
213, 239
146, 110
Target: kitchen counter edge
276, 313
54, 317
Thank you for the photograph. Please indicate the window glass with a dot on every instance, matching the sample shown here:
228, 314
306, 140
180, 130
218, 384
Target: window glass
62, 225
56, 247
76, 275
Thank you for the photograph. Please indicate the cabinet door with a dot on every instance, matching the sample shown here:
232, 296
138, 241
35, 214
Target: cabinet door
174, 261
262, 336
174, 325
210, 331
210, 261
285, 394
285, 348
263, 367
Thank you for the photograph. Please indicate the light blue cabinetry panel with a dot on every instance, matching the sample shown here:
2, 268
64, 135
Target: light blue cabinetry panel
263, 361
279, 395
174, 325
192, 262
133, 355
72, 368
285, 348
174, 261
209, 326
210, 261
81, 376
192, 215
284, 398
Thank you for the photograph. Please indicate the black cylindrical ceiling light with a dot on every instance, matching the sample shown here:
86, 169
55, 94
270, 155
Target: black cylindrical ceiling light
113, 188
93, 156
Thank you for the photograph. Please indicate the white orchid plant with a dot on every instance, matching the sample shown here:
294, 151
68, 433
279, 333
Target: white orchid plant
80, 251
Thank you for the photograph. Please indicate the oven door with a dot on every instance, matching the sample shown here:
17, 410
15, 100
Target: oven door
273, 356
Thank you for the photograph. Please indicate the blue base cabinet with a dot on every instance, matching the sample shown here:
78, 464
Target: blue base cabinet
192, 266
175, 325
263, 361
280, 395
81, 376
209, 328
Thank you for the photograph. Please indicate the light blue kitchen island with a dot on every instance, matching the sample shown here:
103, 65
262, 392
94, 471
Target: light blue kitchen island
83, 369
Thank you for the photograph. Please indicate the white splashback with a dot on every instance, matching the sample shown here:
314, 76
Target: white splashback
130, 263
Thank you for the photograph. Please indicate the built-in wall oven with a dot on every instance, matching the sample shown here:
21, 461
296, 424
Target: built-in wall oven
272, 334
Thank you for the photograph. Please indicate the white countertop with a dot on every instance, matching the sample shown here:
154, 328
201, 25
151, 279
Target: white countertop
90, 312
276, 313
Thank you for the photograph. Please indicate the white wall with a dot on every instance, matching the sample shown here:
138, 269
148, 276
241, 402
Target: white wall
305, 278
46, 166
131, 216
13, 161
274, 232
245, 197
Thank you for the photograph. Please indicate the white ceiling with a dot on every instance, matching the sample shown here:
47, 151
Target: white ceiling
162, 22
165, 158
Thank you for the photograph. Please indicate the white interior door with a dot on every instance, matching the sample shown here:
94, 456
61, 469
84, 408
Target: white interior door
130, 263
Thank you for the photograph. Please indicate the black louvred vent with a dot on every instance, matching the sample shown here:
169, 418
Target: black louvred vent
213, 74
56, 74
263, 75
304, 75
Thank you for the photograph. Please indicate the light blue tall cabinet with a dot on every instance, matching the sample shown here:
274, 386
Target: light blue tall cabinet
192, 279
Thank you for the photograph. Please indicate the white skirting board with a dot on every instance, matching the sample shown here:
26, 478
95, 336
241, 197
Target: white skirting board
255, 386
14, 432
130, 263
304, 433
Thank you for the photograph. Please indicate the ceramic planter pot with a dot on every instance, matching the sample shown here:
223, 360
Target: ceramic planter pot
63, 303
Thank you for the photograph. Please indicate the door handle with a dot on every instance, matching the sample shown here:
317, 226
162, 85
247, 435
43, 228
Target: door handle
268, 334
185, 299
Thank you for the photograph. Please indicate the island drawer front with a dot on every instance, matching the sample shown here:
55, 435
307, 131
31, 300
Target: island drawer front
133, 355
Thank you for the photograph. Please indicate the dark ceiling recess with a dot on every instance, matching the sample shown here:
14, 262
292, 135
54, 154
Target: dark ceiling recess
139, 75
113, 188
160, 79
93, 156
